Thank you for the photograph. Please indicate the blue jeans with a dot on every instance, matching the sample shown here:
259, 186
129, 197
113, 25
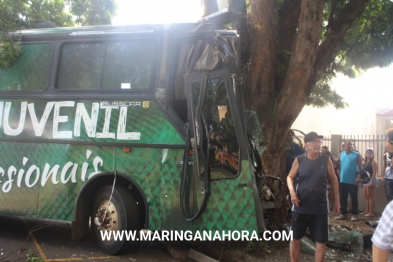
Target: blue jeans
389, 189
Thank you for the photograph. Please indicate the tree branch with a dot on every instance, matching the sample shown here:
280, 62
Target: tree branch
334, 38
301, 63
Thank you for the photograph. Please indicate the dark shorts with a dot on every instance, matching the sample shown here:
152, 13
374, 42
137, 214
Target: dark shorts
317, 225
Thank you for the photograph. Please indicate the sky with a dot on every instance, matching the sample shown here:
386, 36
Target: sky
157, 11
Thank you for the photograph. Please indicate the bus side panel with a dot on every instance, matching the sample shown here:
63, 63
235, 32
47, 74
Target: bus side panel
19, 184
144, 166
230, 205
171, 213
72, 166
47, 176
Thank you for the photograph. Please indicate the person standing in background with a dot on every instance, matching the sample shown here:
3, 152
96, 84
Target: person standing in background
330, 188
292, 150
371, 166
325, 149
388, 177
350, 162
388, 167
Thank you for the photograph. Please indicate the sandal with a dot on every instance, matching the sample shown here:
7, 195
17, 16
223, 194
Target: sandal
363, 213
369, 215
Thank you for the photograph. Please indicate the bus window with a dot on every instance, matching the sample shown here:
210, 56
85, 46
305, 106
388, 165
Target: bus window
118, 65
30, 72
131, 63
81, 66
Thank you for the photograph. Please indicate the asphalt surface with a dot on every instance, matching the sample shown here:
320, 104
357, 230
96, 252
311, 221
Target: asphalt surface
23, 238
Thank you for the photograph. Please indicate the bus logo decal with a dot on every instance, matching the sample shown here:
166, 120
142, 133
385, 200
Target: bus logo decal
81, 118
145, 104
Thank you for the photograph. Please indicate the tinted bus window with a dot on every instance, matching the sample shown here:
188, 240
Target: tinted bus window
121, 65
30, 72
81, 66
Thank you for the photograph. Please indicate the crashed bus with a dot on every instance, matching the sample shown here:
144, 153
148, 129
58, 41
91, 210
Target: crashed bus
129, 128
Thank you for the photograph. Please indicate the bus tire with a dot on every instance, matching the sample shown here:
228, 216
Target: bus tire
121, 215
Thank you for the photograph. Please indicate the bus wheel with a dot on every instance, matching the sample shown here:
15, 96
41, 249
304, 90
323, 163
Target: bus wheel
110, 223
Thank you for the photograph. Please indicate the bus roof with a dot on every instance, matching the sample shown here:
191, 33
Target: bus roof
64, 32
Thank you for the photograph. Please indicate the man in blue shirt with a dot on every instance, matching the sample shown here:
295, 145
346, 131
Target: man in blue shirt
350, 162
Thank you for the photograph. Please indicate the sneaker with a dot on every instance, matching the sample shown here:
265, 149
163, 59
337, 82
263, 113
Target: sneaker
354, 218
341, 217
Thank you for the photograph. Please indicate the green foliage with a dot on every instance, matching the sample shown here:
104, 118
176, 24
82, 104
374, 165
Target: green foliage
93, 12
9, 51
323, 95
258, 246
21, 14
32, 258
368, 43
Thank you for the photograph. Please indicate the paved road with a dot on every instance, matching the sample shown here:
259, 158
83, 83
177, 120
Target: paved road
51, 240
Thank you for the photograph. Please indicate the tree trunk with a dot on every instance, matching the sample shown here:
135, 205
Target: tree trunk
277, 106
210, 7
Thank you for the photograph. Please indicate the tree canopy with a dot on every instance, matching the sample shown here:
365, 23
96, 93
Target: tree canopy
23, 14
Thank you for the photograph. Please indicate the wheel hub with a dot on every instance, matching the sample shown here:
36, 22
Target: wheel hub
106, 217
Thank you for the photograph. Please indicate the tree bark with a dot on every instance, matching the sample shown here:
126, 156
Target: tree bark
277, 107
287, 27
260, 82
210, 7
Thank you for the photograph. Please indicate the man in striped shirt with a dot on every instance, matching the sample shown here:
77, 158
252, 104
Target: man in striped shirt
383, 235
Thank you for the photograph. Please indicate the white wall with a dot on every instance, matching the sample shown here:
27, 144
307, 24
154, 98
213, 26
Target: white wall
366, 95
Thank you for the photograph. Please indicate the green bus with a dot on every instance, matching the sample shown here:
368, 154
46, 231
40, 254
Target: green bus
128, 128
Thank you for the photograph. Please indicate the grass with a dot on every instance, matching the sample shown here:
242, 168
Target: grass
32, 258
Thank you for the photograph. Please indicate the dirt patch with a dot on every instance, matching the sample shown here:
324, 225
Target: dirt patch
269, 251
359, 225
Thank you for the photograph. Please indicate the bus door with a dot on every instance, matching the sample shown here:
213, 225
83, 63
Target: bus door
213, 142
218, 180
